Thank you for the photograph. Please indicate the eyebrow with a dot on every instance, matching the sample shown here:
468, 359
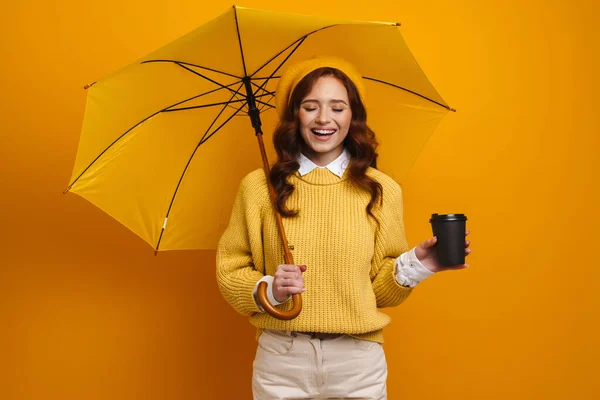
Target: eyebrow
337, 101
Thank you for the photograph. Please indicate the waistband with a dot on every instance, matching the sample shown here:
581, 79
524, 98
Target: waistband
313, 335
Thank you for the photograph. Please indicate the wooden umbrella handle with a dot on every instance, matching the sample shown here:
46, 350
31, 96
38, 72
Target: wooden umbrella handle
269, 308
289, 259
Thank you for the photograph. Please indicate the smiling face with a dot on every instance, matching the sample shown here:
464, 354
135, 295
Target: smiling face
324, 117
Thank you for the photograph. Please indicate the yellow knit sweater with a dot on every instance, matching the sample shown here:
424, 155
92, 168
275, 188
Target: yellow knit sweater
350, 262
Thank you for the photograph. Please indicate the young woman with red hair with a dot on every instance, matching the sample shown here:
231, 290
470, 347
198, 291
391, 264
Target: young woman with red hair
344, 222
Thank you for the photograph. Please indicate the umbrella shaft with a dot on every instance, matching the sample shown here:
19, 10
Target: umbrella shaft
253, 112
287, 254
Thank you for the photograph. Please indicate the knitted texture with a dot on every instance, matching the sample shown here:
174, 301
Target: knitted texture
294, 74
350, 261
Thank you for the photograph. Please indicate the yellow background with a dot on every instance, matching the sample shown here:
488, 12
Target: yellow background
87, 311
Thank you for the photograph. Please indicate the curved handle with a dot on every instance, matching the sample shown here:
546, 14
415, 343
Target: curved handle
269, 308
287, 255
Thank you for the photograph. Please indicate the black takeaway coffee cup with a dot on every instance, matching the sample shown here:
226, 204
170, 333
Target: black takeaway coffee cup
450, 230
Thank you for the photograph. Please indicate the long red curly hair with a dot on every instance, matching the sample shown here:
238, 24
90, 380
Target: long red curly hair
360, 143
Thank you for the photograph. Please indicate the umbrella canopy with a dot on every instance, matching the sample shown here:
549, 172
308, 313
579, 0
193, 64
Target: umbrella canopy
166, 139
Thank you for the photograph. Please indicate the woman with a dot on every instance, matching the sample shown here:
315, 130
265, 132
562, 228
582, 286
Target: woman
344, 223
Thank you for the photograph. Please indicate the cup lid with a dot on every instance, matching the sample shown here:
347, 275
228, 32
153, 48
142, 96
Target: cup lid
447, 217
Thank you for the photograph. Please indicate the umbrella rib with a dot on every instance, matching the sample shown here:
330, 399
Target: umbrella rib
409, 91
142, 121
230, 106
205, 77
293, 43
221, 112
193, 65
256, 85
265, 93
237, 27
268, 103
205, 105
265, 104
300, 41
272, 94
240, 96
203, 140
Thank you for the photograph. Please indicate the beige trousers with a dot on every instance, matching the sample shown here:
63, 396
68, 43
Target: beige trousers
290, 365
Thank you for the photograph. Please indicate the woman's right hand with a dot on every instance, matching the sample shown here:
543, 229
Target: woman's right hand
288, 280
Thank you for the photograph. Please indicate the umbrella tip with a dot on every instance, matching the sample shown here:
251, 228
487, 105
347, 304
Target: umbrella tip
398, 24
86, 87
67, 189
453, 109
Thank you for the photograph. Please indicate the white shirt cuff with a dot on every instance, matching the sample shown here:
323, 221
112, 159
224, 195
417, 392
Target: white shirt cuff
409, 271
269, 279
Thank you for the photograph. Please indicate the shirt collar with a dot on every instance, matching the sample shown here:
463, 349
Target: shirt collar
337, 166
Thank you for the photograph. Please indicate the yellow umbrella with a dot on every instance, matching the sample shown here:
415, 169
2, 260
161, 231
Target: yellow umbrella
165, 138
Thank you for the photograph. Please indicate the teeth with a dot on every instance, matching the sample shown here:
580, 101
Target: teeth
324, 131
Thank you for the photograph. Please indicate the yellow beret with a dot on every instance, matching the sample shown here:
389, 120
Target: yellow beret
294, 74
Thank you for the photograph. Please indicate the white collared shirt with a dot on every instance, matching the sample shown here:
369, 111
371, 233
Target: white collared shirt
408, 270
337, 166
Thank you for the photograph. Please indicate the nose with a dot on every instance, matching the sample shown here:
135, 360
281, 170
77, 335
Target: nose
323, 116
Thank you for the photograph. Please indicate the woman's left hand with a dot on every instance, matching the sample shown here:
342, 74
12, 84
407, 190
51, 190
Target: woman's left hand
425, 252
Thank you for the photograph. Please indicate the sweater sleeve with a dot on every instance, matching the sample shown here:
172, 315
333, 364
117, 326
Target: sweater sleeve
390, 242
240, 251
